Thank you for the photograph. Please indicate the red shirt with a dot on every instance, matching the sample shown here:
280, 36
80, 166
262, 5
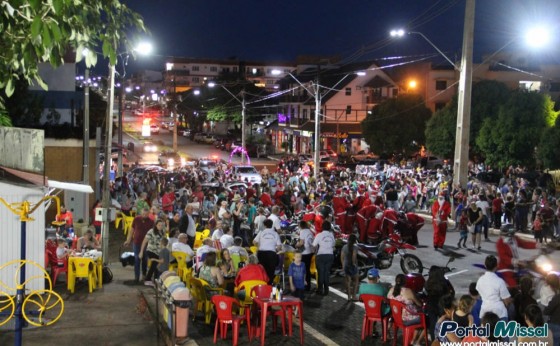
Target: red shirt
167, 202
141, 226
497, 205
266, 200
251, 272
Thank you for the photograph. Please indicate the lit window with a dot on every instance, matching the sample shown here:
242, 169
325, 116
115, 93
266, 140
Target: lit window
348, 91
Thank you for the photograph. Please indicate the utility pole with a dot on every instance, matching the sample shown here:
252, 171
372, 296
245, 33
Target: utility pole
317, 131
120, 133
85, 166
461, 158
243, 107
108, 163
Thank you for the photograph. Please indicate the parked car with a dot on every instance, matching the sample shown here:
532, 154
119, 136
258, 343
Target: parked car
199, 137
170, 159
186, 133
209, 139
154, 129
208, 165
432, 162
247, 173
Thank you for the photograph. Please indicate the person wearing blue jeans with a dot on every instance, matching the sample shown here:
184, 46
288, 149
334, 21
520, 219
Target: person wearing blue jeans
324, 243
140, 227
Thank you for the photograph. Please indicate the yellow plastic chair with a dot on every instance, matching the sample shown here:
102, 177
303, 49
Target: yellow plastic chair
82, 268
187, 275
199, 290
181, 264
198, 240
205, 233
127, 226
248, 287
313, 269
288, 259
254, 249
118, 219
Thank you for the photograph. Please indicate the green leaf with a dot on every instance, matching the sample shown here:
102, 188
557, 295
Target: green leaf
36, 27
46, 35
35, 4
42, 83
106, 48
57, 36
10, 87
57, 5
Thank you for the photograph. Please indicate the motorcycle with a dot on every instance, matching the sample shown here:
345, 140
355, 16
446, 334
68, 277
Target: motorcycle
381, 256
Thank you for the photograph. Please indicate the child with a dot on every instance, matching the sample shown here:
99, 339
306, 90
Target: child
538, 228
475, 309
163, 260
62, 252
296, 272
161, 264
464, 231
462, 314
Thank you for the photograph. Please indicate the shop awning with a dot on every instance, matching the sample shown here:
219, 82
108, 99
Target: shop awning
39, 180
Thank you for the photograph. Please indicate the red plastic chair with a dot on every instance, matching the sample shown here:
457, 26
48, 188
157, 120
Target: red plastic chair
408, 330
56, 269
224, 311
373, 305
262, 292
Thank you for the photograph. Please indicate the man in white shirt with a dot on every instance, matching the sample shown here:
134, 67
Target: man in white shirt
182, 246
306, 241
227, 238
268, 242
202, 251
259, 221
493, 291
275, 219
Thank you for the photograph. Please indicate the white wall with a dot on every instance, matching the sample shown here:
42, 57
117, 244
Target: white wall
10, 231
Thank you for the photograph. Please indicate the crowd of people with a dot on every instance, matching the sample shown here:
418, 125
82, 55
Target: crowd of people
254, 215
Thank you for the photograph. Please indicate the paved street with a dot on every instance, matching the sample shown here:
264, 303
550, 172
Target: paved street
322, 315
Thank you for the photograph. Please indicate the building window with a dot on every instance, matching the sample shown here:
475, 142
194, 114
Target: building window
213, 69
269, 71
195, 79
441, 84
304, 114
348, 91
348, 109
195, 68
234, 69
439, 105
395, 92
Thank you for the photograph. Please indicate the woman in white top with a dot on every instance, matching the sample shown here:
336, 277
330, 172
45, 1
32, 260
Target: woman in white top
268, 243
306, 242
324, 243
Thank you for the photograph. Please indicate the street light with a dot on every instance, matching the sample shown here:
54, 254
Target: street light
400, 33
106, 200
243, 108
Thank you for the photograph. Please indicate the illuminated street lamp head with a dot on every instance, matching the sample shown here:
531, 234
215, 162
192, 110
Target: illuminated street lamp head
537, 37
397, 33
196, 92
412, 84
361, 73
211, 84
275, 72
144, 48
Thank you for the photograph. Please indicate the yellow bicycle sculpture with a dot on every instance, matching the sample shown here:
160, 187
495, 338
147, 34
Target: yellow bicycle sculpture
40, 307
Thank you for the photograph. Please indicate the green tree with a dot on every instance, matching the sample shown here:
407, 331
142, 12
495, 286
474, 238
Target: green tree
487, 96
397, 125
36, 31
548, 151
513, 137
440, 132
23, 107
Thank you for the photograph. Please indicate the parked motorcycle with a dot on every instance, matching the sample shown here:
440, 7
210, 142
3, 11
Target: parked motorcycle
380, 256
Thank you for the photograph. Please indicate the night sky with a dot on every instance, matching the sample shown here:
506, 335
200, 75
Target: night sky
280, 30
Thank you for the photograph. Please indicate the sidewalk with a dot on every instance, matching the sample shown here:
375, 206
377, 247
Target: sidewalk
113, 315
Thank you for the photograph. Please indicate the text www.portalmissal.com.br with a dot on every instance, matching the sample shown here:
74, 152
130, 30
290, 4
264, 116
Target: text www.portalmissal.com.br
496, 343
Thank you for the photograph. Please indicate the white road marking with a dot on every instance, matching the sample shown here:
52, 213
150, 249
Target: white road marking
455, 273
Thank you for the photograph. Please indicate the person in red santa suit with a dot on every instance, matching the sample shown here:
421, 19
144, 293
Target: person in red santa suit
265, 198
340, 206
278, 194
440, 213
508, 257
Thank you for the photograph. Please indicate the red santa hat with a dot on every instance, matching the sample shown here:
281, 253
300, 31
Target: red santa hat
309, 207
338, 191
248, 184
